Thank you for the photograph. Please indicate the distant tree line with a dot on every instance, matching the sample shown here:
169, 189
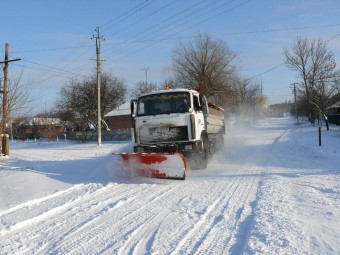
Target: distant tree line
208, 65
204, 64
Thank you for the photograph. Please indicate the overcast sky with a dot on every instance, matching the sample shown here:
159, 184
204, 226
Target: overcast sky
53, 38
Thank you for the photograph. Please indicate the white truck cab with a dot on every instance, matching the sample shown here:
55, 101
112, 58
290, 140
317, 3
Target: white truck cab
178, 120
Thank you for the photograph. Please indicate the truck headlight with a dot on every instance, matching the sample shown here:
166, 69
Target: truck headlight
188, 147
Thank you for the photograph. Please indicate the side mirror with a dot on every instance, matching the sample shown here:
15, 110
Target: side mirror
132, 107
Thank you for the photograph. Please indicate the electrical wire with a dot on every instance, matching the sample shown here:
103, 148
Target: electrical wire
126, 15
147, 16
180, 38
184, 29
193, 15
196, 10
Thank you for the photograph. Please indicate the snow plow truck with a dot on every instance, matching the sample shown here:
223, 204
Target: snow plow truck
173, 128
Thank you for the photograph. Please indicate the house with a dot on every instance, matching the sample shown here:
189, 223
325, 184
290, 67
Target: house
39, 127
119, 118
333, 114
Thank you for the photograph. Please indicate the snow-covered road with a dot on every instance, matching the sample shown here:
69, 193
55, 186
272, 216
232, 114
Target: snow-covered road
272, 190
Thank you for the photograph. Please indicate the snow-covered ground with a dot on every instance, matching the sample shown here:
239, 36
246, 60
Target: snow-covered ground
272, 190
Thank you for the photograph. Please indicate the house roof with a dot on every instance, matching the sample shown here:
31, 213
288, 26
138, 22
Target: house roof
123, 109
45, 121
41, 121
337, 105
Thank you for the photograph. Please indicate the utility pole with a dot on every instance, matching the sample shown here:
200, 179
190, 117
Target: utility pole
5, 150
295, 103
146, 74
98, 38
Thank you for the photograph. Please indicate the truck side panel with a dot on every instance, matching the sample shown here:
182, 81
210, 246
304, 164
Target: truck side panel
215, 120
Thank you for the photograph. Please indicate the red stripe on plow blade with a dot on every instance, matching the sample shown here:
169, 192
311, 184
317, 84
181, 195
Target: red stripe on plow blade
168, 166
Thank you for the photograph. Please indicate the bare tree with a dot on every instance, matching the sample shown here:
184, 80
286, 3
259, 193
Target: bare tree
248, 91
204, 64
315, 66
20, 101
142, 87
247, 98
78, 99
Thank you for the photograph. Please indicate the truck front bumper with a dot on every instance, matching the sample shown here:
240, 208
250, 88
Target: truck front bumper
181, 147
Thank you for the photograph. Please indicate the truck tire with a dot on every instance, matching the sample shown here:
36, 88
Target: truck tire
220, 143
200, 160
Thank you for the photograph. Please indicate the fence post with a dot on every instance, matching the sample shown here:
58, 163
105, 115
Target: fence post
319, 136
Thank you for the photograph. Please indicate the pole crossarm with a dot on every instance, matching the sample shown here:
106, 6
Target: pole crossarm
10, 60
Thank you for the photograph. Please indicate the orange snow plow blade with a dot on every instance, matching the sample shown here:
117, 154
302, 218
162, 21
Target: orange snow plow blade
167, 166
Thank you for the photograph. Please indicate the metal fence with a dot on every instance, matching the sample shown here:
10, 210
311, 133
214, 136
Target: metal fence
112, 135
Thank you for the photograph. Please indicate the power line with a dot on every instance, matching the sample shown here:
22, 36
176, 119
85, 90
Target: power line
191, 15
60, 71
126, 15
275, 67
51, 49
53, 68
183, 37
158, 25
267, 71
178, 32
143, 18
197, 13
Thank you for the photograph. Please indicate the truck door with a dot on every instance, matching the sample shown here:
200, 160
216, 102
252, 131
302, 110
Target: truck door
204, 108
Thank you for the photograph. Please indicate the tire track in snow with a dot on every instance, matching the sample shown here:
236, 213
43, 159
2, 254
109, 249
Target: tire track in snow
36, 214
176, 237
37, 201
215, 228
51, 230
98, 220
136, 241
148, 236
224, 225
143, 218
124, 220
189, 238
245, 220
65, 217
90, 218
141, 239
131, 219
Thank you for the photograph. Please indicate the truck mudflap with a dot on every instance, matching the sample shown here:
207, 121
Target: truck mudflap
166, 166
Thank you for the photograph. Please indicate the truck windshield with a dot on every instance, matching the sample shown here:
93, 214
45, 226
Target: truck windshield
164, 103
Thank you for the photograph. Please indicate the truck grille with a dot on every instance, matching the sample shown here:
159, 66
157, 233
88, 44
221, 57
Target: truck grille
163, 134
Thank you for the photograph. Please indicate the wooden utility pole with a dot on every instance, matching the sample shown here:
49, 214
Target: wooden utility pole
295, 103
146, 75
5, 150
99, 120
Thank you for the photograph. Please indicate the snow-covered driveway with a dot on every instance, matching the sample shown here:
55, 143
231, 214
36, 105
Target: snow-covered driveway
273, 190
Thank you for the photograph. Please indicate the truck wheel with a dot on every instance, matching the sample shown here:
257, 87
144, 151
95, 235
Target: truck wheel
220, 143
200, 160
